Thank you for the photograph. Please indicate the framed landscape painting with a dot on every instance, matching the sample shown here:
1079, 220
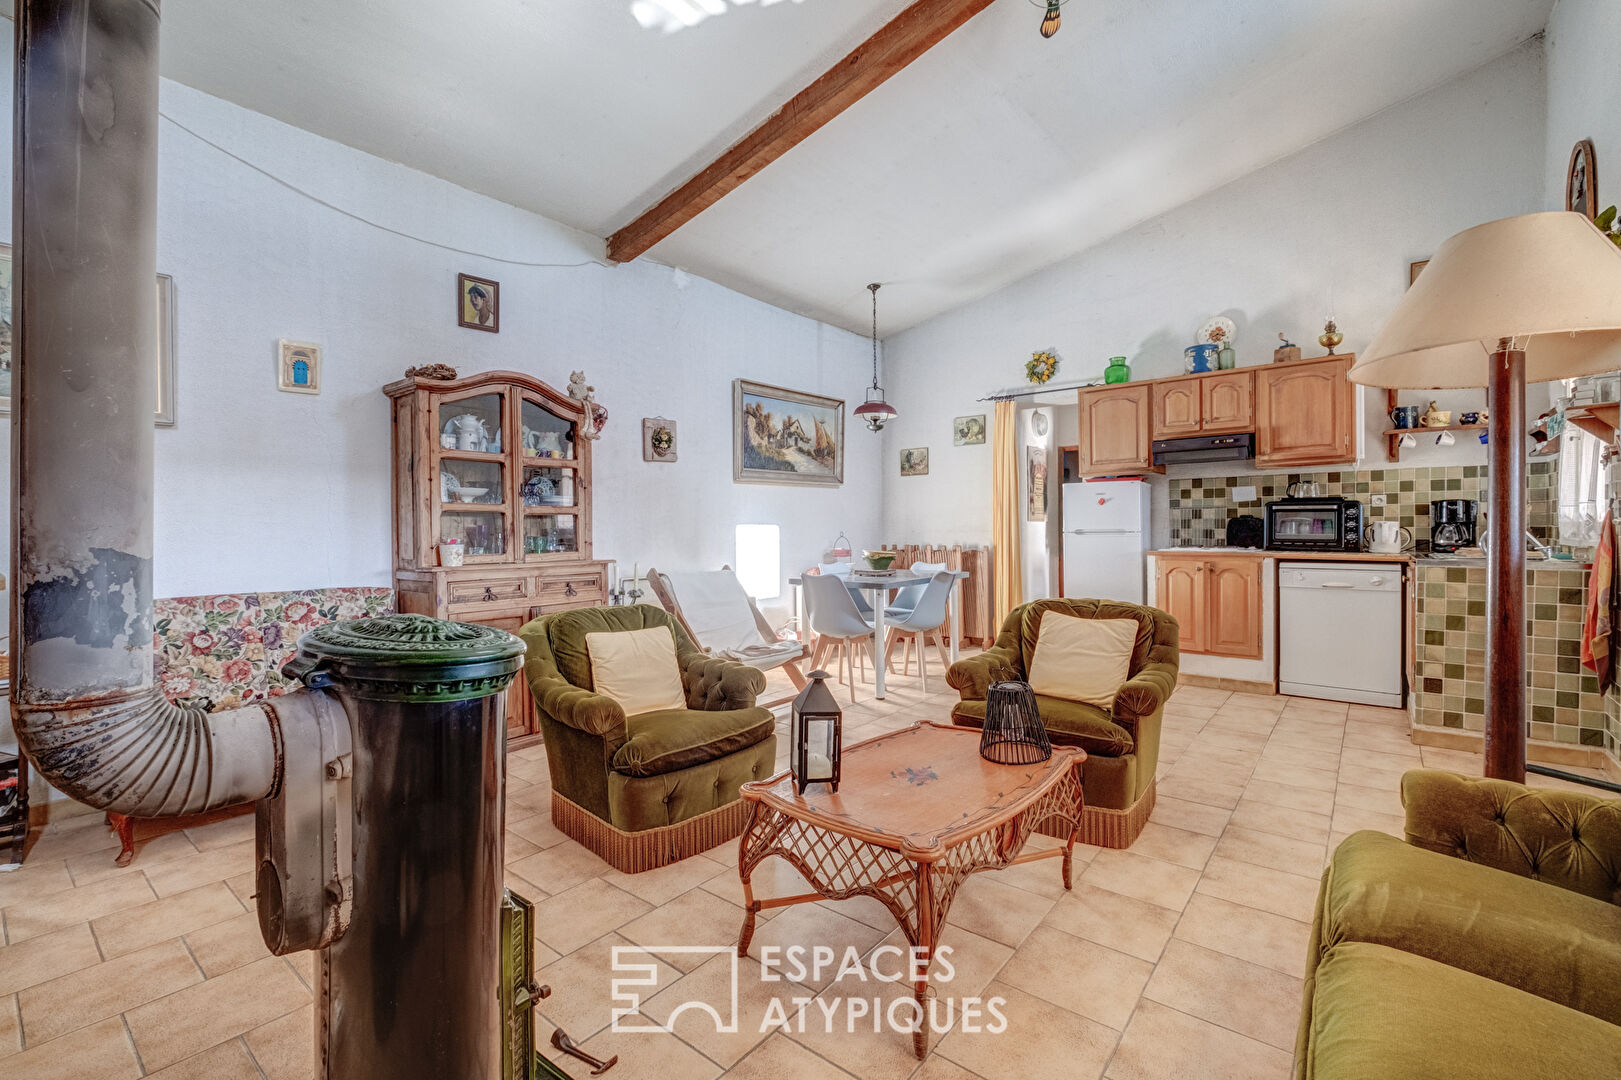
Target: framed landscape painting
786, 436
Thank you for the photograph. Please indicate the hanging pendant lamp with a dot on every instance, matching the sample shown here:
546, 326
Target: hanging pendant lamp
875, 410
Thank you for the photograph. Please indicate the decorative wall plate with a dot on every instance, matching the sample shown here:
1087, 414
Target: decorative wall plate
1208, 335
1038, 423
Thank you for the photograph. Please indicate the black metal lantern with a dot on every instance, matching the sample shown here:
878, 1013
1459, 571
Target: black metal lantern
816, 735
1013, 733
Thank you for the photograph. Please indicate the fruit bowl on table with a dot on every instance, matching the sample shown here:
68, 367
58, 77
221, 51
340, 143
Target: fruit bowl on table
880, 560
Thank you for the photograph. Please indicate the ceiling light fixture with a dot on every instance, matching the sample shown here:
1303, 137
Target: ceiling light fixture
1049, 22
875, 410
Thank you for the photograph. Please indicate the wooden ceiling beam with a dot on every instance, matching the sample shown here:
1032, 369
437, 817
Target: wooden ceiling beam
903, 39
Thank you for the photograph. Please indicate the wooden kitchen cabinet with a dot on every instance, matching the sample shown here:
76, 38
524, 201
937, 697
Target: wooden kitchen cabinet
1216, 601
1178, 408
1227, 402
1305, 413
1204, 404
1233, 606
1114, 430
1180, 591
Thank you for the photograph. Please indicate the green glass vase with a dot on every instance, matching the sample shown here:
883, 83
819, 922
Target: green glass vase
1118, 370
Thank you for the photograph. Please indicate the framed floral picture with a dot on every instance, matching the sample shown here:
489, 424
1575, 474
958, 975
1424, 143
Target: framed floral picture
786, 436
658, 439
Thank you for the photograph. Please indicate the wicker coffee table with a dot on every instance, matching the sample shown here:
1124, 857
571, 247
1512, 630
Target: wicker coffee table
918, 810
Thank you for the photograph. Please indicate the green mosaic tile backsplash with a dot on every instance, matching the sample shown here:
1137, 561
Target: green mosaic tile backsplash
1200, 507
1562, 696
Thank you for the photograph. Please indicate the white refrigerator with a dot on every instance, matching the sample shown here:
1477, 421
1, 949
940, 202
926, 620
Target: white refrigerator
1106, 534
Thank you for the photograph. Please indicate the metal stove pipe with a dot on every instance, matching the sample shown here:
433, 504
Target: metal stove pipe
84, 229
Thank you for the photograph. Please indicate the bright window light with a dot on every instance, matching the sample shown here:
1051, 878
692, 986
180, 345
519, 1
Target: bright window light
759, 560
672, 15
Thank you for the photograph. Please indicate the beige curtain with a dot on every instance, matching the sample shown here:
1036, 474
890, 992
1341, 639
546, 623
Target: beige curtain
1007, 578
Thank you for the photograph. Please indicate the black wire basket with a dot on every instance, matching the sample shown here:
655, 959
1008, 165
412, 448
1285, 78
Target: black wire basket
1013, 733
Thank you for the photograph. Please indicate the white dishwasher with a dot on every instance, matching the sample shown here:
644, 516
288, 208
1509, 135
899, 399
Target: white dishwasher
1340, 631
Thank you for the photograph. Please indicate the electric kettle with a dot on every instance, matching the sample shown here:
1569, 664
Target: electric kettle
1387, 537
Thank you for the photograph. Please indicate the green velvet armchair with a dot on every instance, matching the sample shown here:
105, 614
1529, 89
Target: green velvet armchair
1122, 743
1488, 945
651, 789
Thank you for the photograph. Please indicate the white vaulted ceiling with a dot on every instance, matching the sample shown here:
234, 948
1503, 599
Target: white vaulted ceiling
993, 155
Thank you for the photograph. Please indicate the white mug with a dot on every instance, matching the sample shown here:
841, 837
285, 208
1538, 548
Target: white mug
1385, 537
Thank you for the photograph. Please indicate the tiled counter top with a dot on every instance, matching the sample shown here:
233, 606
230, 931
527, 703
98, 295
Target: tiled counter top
1291, 556
1450, 688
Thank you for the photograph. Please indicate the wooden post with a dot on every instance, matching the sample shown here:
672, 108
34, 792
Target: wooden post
1505, 568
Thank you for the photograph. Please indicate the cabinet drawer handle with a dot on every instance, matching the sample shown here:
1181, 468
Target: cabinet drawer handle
489, 594
568, 589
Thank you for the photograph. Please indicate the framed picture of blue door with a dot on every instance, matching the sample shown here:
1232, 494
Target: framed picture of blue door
298, 367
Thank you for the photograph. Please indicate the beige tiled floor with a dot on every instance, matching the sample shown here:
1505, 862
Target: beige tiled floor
1180, 957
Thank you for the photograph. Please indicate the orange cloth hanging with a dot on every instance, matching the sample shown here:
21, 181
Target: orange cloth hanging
1600, 605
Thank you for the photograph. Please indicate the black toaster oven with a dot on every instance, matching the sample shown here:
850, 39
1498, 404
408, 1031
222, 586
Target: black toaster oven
1314, 524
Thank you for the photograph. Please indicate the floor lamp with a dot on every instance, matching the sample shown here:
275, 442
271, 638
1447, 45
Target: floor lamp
1530, 298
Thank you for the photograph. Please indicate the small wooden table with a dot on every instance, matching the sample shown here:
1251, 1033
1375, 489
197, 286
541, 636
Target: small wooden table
918, 811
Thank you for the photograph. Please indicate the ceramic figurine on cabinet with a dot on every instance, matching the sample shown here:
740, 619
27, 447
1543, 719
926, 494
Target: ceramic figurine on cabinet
579, 391
1434, 417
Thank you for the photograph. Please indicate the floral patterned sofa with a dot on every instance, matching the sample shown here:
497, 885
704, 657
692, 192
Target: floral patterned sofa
218, 652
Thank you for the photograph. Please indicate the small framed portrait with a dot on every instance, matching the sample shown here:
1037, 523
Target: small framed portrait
915, 462
1414, 269
968, 431
479, 303
1581, 181
298, 367
658, 439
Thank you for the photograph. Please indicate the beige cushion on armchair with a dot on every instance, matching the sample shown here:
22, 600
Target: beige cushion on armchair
1086, 660
637, 668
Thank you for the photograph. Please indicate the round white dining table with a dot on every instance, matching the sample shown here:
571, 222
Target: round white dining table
878, 589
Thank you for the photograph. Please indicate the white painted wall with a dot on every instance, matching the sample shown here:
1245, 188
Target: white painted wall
263, 490
1584, 94
1344, 217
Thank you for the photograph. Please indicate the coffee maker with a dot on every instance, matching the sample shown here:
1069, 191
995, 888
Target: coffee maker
1452, 524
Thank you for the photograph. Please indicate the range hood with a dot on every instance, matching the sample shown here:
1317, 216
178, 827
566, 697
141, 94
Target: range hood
1235, 447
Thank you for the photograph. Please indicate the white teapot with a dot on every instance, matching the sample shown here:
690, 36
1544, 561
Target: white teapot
470, 432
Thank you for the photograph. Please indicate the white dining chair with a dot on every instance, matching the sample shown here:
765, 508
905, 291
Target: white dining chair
839, 627
917, 626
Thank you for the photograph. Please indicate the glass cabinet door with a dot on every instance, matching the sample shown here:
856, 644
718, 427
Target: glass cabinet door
472, 424
474, 503
548, 534
545, 434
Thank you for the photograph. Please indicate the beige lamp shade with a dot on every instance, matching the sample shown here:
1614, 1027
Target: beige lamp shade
1551, 281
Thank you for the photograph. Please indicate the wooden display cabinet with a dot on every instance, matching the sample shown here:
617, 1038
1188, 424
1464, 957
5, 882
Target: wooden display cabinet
494, 461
